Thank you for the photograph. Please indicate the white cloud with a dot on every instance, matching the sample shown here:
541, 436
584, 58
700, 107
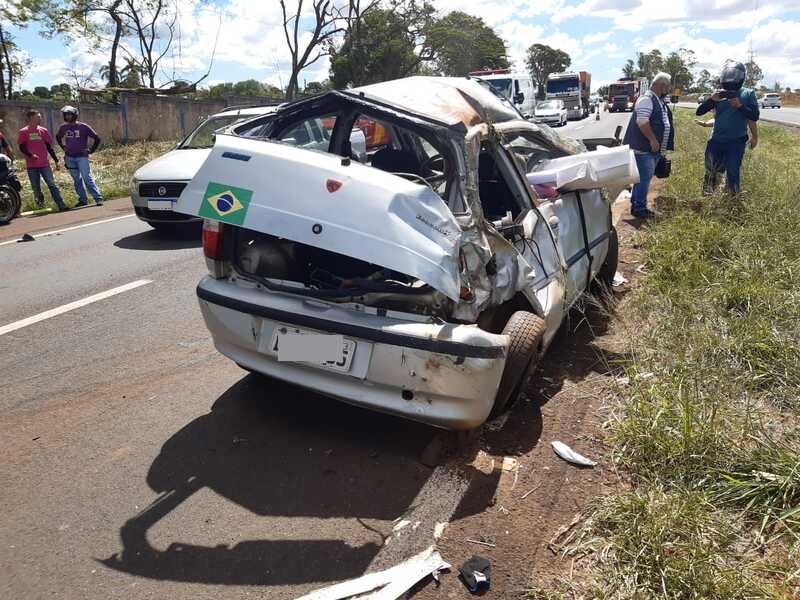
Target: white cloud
596, 38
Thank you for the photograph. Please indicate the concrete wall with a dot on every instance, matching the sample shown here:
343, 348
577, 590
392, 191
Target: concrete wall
136, 117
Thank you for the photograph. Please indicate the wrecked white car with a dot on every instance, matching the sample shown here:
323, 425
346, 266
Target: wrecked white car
424, 281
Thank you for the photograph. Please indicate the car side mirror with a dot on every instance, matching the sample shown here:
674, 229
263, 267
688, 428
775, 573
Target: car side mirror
519, 98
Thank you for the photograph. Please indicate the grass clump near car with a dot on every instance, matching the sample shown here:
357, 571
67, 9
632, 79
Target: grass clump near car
708, 427
112, 168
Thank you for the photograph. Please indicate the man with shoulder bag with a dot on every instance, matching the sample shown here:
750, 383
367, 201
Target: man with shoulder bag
650, 133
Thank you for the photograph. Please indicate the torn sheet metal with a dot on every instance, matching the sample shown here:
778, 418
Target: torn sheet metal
389, 584
569, 455
371, 215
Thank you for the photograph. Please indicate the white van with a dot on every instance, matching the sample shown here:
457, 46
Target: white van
517, 87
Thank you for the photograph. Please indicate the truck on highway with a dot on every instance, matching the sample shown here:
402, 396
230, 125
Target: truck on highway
573, 89
517, 87
623, 94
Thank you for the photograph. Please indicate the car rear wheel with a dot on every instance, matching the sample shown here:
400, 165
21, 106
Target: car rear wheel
609, 267
525, 331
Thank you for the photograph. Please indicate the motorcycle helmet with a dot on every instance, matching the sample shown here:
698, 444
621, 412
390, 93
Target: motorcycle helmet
69, 110
732, 76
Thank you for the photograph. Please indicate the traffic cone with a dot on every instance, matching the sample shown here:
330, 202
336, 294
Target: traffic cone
597, 114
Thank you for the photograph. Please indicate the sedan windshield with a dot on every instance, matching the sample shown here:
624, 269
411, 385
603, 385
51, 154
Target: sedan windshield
203, 136
547, 105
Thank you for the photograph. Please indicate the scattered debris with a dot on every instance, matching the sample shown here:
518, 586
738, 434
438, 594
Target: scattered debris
624, 380
569, 455
438, 529
489, 544
389, 584
498, 423
26, 237
529, 492
647, 375
476, 574
619, 279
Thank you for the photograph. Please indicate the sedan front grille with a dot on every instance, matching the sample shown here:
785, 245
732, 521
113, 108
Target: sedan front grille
157, 189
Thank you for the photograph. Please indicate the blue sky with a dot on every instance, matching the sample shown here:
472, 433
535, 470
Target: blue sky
599, 35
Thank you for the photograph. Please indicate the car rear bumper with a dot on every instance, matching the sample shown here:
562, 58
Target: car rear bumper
441, 374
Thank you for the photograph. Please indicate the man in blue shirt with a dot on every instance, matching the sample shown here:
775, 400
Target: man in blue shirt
734, 106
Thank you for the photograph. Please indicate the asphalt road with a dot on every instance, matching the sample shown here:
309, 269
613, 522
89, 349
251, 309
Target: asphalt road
139, 463
594, 128
785, 116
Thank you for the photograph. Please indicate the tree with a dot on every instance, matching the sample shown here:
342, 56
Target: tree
305, 53
152, 23
777, 87
602, 91
317, 87
542, 61
754, 74
680, 67
61, 91
14, 13
647, 65
704, 83
629, 69
464, 43
381, 48
42, 91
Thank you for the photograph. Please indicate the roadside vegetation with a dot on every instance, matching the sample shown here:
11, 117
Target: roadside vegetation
707, 427
112, 167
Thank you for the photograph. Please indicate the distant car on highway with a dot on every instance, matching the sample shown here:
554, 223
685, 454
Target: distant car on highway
770, 101
550, 112
156, 186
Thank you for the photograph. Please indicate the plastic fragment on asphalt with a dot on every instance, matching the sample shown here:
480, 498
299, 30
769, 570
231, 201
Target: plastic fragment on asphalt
569, 455
619, 279
389, 584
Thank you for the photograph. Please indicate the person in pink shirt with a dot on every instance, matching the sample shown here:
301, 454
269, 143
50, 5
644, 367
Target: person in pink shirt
35, 143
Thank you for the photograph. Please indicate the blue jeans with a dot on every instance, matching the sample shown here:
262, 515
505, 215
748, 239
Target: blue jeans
78, 167
646, 164
46, 173
724, 157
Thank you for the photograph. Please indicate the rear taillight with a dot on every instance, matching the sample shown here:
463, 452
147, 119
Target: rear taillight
212, 239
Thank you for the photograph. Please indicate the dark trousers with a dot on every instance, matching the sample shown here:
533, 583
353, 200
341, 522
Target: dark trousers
724, 157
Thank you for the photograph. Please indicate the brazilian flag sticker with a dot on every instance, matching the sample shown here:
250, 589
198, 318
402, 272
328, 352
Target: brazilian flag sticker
225, 203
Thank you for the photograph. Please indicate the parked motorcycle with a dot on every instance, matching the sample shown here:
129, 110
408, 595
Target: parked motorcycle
10, 200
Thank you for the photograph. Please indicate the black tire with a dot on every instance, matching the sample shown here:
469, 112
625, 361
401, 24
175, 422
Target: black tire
526, 331
10, 203
609, 267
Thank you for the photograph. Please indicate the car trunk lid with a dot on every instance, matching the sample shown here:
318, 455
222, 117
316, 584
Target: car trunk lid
330, 203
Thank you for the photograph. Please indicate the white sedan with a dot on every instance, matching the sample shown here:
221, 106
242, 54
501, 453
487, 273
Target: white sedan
550, 112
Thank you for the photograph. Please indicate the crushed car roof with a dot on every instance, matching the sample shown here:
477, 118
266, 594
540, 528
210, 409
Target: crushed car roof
451, 100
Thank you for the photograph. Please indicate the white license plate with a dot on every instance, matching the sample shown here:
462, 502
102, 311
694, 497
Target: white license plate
337, 359
160, 204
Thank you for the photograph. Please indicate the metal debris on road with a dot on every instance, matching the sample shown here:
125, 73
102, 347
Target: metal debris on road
476, 574
389, 584
569, 455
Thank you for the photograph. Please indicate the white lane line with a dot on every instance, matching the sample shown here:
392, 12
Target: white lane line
72, 306
57, 231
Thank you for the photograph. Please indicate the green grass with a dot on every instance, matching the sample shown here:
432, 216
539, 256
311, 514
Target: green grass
112, 168
711, 442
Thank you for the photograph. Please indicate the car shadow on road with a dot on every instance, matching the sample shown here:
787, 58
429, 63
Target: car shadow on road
276, 450
178, 239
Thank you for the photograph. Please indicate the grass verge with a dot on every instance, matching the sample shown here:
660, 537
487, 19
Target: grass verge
709, 436
112, 168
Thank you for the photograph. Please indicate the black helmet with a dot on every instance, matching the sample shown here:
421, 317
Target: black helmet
732, 76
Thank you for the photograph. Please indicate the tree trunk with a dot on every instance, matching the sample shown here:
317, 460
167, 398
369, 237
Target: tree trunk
113, 80
291, 88
5, 92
